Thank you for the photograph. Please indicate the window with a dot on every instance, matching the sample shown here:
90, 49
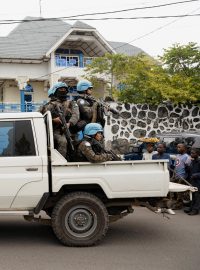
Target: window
16, 139
67, 61
87, 61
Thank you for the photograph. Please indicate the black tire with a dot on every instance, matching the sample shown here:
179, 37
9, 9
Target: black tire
80, 219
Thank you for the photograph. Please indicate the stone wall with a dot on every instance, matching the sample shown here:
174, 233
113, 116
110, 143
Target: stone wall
135, 121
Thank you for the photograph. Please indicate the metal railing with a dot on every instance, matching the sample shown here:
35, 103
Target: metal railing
65, 62
16, 107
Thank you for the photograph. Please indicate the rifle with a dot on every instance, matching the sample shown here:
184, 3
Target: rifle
104, 105
107, 107
115, 157
65, 127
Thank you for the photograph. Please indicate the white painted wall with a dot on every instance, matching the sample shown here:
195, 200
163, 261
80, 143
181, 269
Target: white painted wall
39, 92
13, 70
11, 92
72, 72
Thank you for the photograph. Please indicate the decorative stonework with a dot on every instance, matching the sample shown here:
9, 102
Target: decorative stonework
135, 121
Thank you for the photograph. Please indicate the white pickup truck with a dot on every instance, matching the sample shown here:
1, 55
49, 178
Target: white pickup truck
79, 198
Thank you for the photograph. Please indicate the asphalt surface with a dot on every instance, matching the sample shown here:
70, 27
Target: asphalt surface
141, 241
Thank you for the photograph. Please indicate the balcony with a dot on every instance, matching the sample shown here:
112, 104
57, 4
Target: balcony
72, 61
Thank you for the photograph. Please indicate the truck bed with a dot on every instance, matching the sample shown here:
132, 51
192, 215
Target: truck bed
118, 179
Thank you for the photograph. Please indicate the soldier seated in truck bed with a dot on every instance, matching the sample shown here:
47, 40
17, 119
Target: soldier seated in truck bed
91, 147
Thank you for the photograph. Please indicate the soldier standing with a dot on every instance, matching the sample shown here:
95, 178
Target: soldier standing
58, 95
90, 111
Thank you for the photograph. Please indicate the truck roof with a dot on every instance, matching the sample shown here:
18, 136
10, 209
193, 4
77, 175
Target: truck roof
20, 115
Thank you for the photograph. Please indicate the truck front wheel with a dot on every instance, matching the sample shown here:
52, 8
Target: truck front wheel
80, 219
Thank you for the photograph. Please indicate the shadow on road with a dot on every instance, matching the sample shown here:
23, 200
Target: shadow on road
19, 230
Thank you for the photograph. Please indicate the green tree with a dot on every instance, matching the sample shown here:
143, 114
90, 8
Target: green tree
108, 67
176, 78
182, 63
182, 59
144, 82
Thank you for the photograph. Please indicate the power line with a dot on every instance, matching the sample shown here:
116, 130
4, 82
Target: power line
97, 13
142, 36
141, 17
123, 18
130, 9
155, 30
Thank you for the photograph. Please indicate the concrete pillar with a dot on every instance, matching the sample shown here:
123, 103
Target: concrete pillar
22, 81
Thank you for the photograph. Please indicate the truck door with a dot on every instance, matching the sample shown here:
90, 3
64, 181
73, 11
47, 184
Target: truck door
20, 163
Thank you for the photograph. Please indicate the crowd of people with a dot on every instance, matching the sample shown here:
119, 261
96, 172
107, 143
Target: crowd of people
83, 118
183, 168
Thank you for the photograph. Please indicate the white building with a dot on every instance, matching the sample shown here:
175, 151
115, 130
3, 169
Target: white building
41, 52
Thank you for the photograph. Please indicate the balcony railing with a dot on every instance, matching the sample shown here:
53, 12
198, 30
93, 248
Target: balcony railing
28, 106
72, 61
16, 107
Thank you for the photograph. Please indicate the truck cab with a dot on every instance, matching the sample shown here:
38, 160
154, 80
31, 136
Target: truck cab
23, 160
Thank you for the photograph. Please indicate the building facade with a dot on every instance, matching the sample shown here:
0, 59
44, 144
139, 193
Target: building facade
38, 53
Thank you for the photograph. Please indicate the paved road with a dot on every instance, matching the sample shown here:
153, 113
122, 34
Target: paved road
141, 241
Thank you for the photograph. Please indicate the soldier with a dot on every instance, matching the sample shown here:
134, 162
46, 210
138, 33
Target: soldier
58, 95
91, 147
42, 109
89, 108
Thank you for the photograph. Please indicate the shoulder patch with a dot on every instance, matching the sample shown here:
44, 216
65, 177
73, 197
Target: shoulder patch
87, 144
82, 101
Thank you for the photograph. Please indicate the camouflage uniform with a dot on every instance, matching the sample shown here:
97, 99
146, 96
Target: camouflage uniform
90, 112
71, 113
88, 150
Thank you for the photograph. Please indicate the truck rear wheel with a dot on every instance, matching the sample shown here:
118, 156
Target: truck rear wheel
80, 219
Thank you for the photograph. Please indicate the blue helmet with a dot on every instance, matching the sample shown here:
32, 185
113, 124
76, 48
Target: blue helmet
83, 86
58, 85
50, 92
92, 129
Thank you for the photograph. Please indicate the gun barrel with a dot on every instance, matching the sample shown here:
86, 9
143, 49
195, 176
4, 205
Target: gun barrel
107, 106
113, 111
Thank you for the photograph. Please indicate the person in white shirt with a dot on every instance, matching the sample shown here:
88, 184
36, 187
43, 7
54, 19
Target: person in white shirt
149, 152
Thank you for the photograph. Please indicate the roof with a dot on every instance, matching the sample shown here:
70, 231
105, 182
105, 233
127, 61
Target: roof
125, 48
32, 40
79, 24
